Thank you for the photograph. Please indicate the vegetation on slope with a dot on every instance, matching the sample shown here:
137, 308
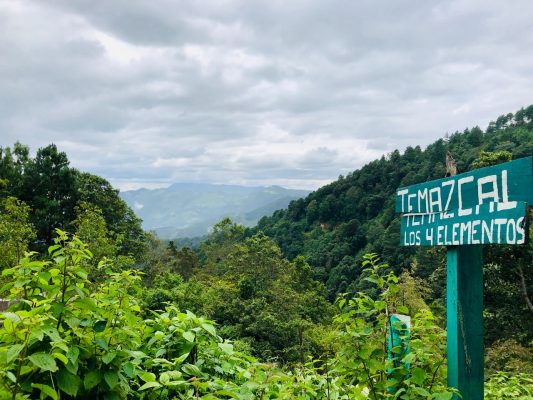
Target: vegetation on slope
337, 224
112, 312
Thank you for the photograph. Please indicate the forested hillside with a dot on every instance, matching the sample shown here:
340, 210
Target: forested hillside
337, 224
295, 308
91, 318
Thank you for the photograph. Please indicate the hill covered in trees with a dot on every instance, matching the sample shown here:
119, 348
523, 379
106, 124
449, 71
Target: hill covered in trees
295, 308
336, 225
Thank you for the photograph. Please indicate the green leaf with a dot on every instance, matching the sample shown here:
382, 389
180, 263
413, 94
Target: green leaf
11, 316
13, 352
129, 369
52, 333
72, 367
409, 358
375, 365
92, 379
226, 348
182, 358
45, 276
148, 377
107, 358
380, 305
11, 376
85, 322
68, 382
418, 375
100, 326
53, 248
111, 378
26, 369
57, 309
169, 376
402, 310
228, 394
80, 292
72, 354
192, 370
161, 352
149, 385
45, 389
101, 342
342, 302
189, 336
61, 346
37, 334
421, 391
442, 396
73, 322
82, 274
365, 352
210, 329
43, 361
61, 357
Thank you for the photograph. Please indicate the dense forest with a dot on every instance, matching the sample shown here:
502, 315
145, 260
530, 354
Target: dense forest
294, 308
337, 224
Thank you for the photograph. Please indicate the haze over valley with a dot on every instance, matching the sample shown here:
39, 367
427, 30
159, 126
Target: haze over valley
191, 209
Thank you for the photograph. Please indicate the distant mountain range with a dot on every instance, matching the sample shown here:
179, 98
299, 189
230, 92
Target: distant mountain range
191, 209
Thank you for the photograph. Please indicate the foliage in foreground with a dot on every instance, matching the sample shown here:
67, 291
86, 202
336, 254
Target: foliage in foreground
67, 337
505, 386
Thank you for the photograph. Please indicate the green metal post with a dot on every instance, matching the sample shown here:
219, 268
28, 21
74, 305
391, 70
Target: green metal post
465, 320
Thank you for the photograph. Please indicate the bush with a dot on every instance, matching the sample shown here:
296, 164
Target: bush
503, 385
509, 356
67, 337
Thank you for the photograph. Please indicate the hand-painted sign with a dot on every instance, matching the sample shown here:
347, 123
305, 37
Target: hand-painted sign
500, 223
503, 183
487, 205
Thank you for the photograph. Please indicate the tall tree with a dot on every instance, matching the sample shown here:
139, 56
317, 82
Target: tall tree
48, 188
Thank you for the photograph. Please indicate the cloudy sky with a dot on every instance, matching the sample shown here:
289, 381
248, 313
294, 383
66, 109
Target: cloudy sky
289, 92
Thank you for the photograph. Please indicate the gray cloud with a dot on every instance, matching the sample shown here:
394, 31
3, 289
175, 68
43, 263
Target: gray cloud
292, 93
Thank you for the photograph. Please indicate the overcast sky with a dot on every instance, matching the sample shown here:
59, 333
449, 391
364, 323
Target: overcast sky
295, 93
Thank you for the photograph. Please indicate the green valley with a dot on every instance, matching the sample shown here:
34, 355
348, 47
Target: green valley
296, 307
